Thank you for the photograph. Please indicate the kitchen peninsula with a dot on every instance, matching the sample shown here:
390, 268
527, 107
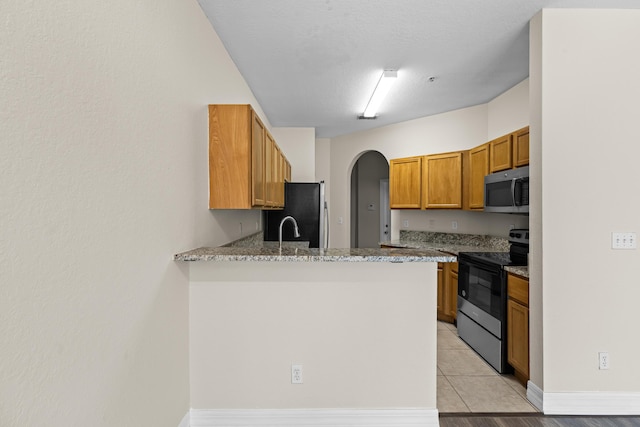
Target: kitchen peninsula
361, 322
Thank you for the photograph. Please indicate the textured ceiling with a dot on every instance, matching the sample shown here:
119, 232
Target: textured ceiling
314, 63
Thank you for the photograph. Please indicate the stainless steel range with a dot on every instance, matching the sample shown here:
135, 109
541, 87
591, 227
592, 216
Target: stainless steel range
482, 298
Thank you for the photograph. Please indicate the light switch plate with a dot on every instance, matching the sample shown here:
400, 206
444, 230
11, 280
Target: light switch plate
623, 241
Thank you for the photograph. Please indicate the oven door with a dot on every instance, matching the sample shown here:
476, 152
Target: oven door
482, 292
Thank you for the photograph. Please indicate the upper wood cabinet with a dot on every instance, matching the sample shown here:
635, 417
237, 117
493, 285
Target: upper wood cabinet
271, 170
510, 151
442, 181
242, 165
405, 183
454, 180
478, 169
258, 173
521, 147
500, 154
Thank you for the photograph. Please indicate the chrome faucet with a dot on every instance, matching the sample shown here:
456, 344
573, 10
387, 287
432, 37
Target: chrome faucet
296, 232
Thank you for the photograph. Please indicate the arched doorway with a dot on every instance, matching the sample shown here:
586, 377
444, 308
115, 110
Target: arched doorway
370, 213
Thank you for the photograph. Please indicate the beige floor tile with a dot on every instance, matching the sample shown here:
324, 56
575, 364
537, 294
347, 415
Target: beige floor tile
515, 384
463, 362
448, 400
448, 340
452, 327
442, 326
489, 394
439, 372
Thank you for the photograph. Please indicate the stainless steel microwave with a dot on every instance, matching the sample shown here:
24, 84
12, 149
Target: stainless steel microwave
507, 191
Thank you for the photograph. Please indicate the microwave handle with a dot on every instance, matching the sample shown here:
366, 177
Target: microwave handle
516, 191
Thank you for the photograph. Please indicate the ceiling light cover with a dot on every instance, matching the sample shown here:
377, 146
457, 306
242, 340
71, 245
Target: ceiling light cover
387, 78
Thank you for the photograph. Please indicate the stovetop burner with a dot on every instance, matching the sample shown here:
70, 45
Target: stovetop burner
517, 255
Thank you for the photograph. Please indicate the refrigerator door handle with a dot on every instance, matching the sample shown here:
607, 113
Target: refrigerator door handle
326, 229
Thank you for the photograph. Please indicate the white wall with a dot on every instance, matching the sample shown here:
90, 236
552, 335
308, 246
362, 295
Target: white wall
104, 134
586, 72
508, 111
298, 144
364, 332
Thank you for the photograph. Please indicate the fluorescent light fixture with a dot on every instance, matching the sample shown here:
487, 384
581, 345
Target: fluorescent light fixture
384, 84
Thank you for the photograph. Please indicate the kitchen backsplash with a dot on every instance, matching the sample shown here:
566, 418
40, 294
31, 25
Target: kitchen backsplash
454, 239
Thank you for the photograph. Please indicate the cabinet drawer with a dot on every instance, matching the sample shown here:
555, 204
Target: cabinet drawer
518, 289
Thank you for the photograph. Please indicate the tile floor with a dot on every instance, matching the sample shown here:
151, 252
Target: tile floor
466, 383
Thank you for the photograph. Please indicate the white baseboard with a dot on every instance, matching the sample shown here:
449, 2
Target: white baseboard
592, 403
185, 420
314, 417
583, 403
535, 395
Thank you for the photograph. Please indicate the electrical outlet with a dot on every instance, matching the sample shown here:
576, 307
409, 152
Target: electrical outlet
340, 220
454, 225
623, 240
405, 223
603, 360
296, 374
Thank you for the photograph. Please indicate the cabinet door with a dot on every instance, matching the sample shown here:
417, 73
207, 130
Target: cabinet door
443, 181
521, 147
405, 183
478, 169
453, 292
441, 292
230, 157
518, 289
270, 170
280, 178
500, 154
258, 171
518, 336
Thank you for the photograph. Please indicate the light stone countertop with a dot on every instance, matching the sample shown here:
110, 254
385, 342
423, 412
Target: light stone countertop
452, 243
289, 254
413, 246
520, 271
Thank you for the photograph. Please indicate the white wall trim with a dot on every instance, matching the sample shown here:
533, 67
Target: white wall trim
535, 395
591, 403
315, 417
186, 420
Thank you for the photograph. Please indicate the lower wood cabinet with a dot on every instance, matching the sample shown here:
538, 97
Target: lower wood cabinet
447, 291
518, 326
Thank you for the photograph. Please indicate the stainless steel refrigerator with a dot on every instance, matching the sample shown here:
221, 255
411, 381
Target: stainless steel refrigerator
305, 202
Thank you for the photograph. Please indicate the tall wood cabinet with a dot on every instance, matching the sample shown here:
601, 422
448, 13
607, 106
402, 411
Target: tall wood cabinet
518, 326
246, 167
